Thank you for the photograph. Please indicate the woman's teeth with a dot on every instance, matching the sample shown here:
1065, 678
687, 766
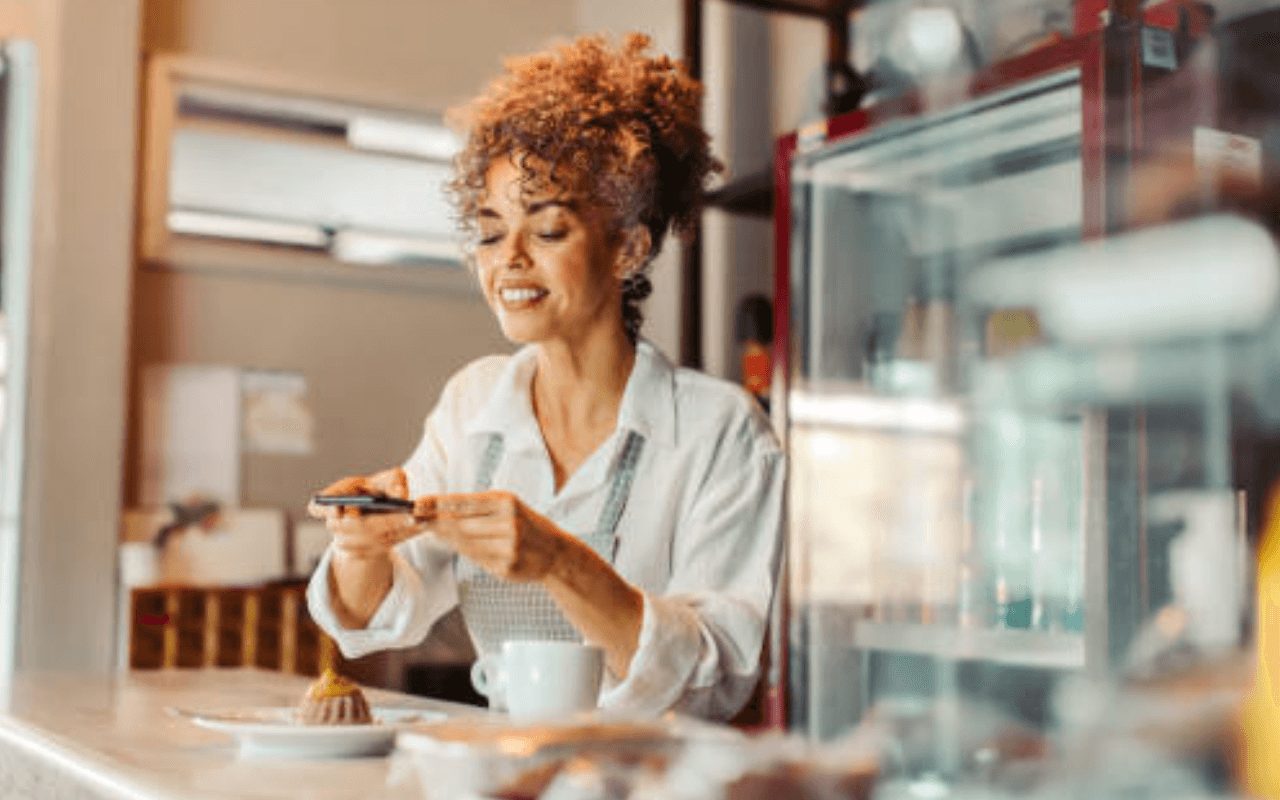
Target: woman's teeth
521, 295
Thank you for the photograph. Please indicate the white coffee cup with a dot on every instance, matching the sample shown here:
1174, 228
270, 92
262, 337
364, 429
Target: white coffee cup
539, 680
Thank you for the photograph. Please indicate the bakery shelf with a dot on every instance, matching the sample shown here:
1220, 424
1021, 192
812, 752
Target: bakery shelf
1044, 649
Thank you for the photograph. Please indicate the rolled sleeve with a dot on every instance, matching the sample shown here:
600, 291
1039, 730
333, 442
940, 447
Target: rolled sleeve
700, 642
669, 647
406, 614
422, 585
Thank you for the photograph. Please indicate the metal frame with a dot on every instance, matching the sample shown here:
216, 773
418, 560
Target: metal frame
17, 190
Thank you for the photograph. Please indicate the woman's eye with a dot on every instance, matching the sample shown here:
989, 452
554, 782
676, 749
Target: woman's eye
553, 235
488, 239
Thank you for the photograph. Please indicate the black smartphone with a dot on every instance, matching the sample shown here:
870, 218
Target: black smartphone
368, 503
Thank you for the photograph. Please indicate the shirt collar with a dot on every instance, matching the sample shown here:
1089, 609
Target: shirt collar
508, 410
648, 402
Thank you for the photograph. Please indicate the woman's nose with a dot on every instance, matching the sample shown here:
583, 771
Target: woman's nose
516, 256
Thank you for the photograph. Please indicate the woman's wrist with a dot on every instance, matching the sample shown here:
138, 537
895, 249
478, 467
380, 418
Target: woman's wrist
357, 586
566, 556
600, 603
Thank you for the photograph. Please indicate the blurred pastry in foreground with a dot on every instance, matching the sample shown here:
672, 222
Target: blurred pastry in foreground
334, 700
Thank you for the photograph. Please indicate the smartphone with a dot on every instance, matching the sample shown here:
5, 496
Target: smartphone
367, 503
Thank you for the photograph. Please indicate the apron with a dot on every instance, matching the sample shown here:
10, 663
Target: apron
497, 610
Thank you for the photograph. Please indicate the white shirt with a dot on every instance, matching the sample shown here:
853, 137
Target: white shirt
700, 535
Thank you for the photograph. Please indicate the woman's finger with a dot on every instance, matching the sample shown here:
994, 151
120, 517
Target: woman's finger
316, 511
494, 556
354, 484
388, 529
485, 528
391, 482
457, 507
477, 504
426, 507
458, 530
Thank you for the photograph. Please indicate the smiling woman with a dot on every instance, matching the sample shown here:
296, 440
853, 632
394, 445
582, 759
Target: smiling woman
584, 488
550, 267
619, 132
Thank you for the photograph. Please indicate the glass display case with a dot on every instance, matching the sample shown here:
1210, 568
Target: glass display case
922, 527
1013, 413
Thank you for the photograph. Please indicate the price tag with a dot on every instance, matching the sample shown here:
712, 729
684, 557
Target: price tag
1158, 49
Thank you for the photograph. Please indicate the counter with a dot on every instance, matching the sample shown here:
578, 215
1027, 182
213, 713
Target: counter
108, 736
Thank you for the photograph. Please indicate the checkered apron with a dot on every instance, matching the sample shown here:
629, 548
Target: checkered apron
497, 610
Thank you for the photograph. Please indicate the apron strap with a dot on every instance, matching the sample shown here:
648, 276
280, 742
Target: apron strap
489, 463
616, 502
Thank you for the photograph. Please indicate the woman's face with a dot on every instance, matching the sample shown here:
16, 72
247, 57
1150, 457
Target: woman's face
547, 265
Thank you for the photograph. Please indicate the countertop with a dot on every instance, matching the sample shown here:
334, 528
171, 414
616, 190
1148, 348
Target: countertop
109, 736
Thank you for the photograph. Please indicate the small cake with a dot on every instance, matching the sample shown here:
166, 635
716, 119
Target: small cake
334, 700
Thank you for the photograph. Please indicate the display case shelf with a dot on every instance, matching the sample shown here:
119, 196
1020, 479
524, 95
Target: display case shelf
1013, 647
856, 408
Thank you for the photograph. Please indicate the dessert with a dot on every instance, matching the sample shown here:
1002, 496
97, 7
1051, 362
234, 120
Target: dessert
334, 700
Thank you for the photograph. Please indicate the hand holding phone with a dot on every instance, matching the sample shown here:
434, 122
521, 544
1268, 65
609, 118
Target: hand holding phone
366, 503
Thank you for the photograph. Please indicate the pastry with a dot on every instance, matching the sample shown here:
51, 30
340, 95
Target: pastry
334, 700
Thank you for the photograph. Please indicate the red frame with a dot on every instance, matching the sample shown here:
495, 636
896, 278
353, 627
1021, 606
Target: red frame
1091, 15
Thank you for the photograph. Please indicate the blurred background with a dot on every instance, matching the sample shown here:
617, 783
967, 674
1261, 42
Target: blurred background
235, 279
1003, 272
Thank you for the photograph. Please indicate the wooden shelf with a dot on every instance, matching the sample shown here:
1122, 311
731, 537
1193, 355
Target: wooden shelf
187, 627
180, 253
185, 96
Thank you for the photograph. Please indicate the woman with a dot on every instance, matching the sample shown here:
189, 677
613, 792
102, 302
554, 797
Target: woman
582, 487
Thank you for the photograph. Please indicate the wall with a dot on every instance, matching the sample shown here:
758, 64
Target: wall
737, 249
799, 50
423, 54
80, 304
375, 359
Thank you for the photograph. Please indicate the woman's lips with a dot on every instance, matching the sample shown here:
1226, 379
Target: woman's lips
516, 298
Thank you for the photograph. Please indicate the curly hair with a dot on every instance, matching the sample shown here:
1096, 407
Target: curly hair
617, 127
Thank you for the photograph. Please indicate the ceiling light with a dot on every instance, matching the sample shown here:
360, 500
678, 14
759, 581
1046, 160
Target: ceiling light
230, 226
402, 137
367, 247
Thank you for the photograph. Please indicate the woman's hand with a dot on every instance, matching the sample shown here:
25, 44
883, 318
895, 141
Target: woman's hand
511, 541
360, 571
367, 536
497, 531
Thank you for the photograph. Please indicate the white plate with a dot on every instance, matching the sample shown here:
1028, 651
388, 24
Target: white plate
275, 732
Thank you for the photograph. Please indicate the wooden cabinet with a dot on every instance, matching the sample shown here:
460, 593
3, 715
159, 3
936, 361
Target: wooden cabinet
266, 627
